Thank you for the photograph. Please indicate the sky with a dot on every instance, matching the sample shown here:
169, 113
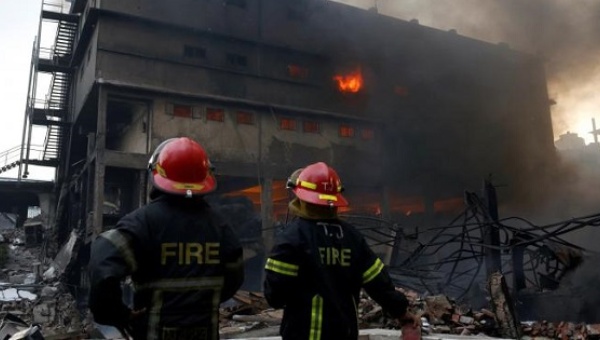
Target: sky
564, 32
19, 23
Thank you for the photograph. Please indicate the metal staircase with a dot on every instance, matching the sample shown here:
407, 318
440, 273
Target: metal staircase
53, 111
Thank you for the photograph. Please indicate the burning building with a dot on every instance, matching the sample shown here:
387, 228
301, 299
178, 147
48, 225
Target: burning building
409, 115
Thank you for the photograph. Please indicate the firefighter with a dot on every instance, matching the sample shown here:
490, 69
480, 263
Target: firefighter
319, 264
182, 259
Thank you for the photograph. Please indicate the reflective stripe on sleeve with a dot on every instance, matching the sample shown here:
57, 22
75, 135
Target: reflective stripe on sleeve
122, 244
373, 271
282, 267
316, 319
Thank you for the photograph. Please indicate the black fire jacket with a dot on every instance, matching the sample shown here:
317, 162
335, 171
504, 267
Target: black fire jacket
316, 271
182, 261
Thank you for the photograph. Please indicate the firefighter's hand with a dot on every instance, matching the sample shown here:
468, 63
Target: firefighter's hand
412, 318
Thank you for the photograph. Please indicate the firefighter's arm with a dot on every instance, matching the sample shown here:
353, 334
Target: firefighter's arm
381, 289
233, 260
281, 274
377, 283
111, 260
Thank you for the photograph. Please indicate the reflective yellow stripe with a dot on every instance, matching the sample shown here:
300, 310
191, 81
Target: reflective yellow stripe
188, 186
372, 272
316, 318
308, 185
122, 244
282, 267
327, 197
161, 171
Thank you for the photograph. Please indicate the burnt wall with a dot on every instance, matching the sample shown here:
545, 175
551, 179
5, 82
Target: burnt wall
455, 110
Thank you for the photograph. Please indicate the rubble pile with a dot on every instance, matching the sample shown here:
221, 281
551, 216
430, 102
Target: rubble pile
249, 316
33, 297
28, 297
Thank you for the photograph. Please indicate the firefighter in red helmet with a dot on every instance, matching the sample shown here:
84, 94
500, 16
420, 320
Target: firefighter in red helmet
325, 262
182, 258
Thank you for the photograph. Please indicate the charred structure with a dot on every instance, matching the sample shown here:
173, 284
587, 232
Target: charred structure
410, 115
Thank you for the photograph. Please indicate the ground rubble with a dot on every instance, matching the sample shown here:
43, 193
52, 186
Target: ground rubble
33, 297
33, 294
250, 316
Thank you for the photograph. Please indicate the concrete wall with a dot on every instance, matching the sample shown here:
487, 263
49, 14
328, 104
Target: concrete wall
128, 125
155, 56
455, 110
85, 76
204, 15
229, 141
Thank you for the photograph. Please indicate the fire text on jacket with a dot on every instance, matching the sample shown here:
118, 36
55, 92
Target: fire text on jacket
190, 253
333, 256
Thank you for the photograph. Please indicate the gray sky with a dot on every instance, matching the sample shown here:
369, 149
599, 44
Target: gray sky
19, 21
560, 29
18, 26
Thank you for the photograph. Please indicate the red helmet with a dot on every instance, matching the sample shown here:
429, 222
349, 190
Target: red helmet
320, 184
180, 166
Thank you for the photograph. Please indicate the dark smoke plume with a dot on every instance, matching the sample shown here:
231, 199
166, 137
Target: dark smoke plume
565, 33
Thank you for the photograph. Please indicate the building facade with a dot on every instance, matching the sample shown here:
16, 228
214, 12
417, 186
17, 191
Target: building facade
410, 116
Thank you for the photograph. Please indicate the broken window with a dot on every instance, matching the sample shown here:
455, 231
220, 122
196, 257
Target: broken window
287, 124
215, 114
184, 111
297, 71
244, 117
310, 127
346, 131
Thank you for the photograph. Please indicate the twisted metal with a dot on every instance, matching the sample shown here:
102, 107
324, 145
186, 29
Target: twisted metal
452, 261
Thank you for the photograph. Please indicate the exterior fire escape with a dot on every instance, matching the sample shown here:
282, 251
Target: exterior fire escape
52, 112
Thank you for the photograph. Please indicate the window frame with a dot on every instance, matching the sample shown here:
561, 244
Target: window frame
211, 111
249, 120
346, 131
311, 126
290, 124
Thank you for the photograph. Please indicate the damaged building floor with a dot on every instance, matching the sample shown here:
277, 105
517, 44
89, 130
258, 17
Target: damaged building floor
34, 299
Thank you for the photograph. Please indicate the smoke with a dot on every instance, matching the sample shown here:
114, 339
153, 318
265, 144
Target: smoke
565, 33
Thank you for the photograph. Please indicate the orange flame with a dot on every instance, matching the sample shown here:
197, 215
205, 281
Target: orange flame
350, 82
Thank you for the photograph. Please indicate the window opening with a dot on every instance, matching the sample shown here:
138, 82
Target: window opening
367, 133
310, 127
245, 118
287, 124
346, 131
237, 59
215, 114
184, 111
194, 52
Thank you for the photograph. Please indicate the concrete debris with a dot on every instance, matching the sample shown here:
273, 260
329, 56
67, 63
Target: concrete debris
30, 307
64, 258
13, 294
32, 304
503, 306
440, 316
